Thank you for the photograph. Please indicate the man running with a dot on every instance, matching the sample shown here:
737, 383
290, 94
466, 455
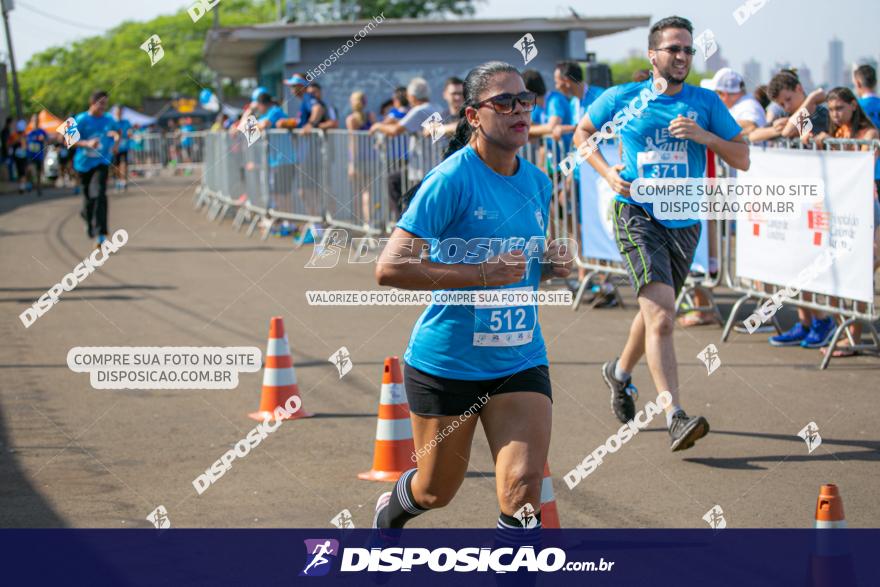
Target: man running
92, 159
681, 123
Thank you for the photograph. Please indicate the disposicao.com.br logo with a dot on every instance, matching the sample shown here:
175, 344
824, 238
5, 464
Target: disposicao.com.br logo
321, 552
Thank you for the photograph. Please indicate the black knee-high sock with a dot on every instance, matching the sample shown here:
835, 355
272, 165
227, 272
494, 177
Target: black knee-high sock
402, 506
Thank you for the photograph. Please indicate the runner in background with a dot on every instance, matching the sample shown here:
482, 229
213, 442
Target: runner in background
676, 128
18, 146
36, 141
92, 159
120, 159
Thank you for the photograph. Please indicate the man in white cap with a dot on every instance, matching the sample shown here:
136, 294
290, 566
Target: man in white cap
731, 88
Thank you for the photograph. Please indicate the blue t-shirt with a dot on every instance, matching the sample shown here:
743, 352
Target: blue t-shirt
463, 199
871, 106
646, 137
556, 104
93, 127
123, 127
280, 144
579, 107
36, 144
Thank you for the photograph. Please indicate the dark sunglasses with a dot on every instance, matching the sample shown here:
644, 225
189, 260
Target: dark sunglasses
676, 49
506, 103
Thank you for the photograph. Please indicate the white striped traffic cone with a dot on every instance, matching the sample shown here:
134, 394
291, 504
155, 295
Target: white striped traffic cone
549, 514
279, 377
394, 440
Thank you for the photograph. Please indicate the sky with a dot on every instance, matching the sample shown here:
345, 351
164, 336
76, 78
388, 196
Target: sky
795, 31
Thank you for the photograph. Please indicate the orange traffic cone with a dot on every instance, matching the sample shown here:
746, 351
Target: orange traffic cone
394, 440
829, 508
831, 563
279, 377
549, 514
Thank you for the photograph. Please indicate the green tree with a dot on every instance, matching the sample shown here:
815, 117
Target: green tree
61, 78
622, 71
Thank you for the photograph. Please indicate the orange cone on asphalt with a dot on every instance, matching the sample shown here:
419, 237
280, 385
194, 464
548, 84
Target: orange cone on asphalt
549, 514
394, 449
831, 563
279, 376
829, 508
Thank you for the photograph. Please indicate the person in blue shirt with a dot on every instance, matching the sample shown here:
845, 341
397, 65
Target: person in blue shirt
94, 152
36, 142
865, 84
569, 79
668, 139
120, 159
478, 212
281, 154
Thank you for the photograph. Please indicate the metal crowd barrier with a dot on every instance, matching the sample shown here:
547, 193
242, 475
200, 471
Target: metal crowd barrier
151, 152
343, 179
847, 311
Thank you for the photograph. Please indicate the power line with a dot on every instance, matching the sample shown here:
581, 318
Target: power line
58, 18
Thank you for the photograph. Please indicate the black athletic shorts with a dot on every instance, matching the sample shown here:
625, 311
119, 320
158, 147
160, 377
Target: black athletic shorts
119, 157
651, 251
429, 395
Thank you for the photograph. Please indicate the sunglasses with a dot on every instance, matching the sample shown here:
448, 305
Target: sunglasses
676, 49
506, 103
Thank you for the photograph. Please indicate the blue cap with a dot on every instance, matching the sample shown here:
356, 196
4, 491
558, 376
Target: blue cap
255, 95
296, 80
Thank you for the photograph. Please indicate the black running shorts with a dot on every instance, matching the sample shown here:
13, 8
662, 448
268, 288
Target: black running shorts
651, 251
429, 395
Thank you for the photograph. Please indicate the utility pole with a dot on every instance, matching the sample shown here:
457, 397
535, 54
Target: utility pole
7, 6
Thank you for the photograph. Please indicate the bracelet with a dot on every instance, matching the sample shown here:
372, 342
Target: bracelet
483, 274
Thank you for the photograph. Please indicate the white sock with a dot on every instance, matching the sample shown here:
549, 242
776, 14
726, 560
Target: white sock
619, 373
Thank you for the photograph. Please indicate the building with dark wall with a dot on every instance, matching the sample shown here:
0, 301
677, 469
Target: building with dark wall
395, 51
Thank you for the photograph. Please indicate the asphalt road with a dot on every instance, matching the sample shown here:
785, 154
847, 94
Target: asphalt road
73, 456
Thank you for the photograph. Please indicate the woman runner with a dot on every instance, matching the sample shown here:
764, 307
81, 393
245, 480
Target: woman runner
492, 206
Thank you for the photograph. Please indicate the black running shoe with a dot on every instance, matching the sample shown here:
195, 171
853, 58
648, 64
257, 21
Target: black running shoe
685, 431
623, 393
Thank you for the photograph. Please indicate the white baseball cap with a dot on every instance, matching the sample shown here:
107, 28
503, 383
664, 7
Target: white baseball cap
724, 80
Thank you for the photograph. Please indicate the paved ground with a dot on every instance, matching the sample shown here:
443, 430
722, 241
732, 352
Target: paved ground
78, 457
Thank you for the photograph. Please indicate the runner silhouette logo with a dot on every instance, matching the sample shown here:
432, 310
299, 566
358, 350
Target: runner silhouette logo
319, 556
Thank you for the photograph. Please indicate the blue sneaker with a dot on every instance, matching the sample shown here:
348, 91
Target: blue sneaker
821, 333
791, 337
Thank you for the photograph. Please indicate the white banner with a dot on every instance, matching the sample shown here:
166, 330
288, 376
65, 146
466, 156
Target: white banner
775, 250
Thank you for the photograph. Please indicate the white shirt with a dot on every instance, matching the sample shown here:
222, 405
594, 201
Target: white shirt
747, 108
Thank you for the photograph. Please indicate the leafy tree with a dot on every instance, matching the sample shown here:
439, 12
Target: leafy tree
622, 71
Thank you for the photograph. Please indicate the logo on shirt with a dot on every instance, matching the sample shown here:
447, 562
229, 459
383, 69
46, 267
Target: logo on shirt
483, 214
153, 48
692, 114
527, 47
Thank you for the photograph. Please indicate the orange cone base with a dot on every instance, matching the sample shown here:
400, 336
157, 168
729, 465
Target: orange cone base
380, 475
260, 416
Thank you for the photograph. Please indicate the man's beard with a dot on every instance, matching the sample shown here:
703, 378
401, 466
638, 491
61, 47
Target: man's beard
667, 75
